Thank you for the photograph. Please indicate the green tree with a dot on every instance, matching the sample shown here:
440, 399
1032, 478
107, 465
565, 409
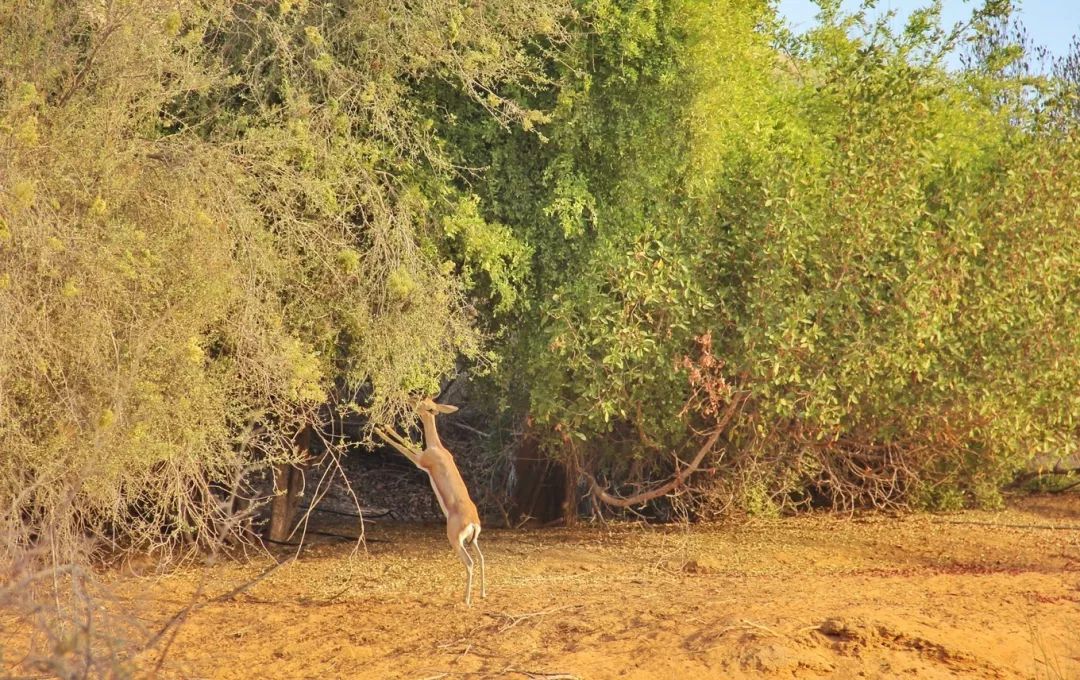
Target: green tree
840, 214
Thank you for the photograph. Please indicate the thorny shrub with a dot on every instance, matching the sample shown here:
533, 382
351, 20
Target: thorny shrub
219, 222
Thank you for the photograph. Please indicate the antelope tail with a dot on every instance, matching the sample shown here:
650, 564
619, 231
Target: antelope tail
469, 534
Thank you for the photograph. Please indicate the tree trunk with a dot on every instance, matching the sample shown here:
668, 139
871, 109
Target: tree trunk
540, 490
569, 500
288, 485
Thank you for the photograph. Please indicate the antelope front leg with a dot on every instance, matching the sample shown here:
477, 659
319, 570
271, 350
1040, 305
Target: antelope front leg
403, 446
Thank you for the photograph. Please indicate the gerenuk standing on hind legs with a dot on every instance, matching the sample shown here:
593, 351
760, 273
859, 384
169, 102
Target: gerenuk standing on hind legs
462, 520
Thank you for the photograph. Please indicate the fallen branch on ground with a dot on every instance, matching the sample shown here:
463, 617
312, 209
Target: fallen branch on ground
514, 620
539, 675
181, 615
374, 514
761, 627
1056, 471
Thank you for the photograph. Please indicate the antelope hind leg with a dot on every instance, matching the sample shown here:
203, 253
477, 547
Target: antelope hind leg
483, 578
463, 555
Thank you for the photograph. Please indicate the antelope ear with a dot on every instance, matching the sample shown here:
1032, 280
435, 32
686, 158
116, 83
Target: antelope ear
445, 408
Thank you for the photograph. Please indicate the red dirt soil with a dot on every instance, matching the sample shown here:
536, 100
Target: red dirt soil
973, 595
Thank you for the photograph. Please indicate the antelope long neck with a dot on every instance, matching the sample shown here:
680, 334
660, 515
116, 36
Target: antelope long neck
431, 435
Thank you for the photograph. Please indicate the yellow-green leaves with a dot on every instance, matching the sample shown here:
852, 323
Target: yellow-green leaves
106, 419
323, 63
98, 207
349, 260
26, 96
23, 193
488, 248
194, 351
314, 36
401, 284
305, 374
172, 24
27, 131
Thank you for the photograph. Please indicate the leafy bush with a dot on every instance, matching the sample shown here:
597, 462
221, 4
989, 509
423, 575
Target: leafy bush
880, 249
214, 219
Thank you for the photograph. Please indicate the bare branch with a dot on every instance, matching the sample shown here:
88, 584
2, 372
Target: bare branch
680, 477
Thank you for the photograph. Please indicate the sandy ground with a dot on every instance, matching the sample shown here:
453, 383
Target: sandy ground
977, 594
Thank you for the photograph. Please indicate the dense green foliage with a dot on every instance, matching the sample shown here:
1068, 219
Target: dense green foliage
884, 254
908, 311
216, 216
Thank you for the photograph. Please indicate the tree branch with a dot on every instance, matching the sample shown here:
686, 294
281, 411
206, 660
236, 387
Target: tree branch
679, 478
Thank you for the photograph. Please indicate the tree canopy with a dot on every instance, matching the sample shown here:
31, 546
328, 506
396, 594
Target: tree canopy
220, 221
